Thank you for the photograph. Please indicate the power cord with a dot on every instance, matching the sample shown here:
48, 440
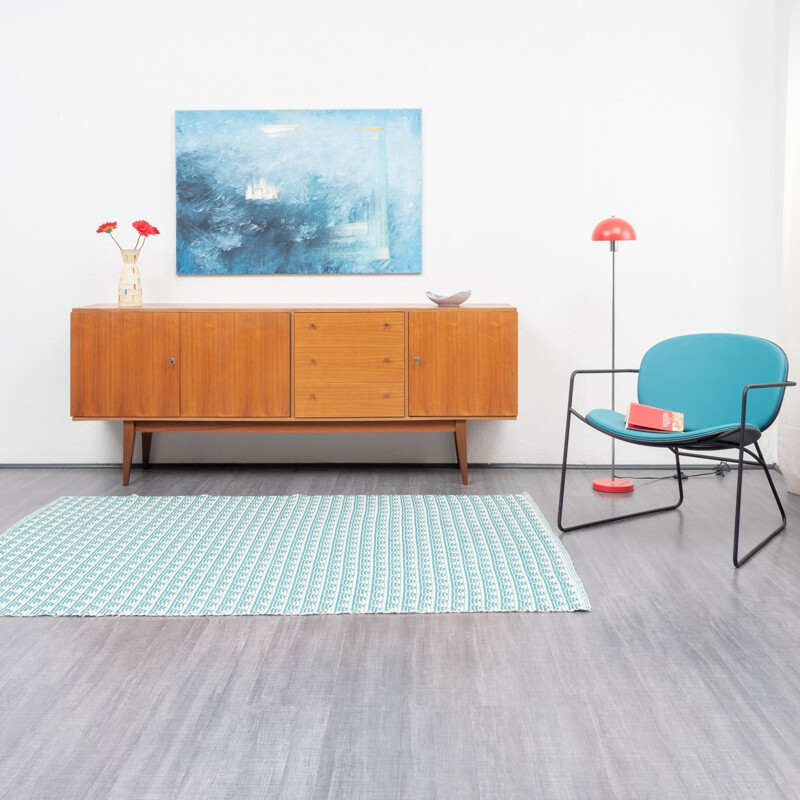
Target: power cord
720, 470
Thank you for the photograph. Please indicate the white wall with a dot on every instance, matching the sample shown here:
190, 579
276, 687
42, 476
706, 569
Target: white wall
539, 119
789, 426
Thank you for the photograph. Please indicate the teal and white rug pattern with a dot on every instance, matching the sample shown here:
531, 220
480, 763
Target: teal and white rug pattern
294, 554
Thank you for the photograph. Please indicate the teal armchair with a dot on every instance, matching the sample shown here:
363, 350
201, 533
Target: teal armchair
729, 388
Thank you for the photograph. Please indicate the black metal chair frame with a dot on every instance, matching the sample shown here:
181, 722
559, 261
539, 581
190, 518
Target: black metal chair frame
740, 438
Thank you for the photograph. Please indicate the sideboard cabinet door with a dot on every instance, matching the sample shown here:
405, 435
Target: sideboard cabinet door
462, 363
124, 364
235, 364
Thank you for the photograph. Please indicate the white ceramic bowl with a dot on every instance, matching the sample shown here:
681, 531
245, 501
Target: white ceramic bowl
450, 300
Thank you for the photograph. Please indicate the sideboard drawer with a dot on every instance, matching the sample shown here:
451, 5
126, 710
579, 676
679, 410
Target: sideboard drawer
351, 400
347, 329
348, 364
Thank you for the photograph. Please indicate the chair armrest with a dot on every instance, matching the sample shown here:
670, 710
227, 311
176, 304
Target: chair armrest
783, 384
600, 371
592, 372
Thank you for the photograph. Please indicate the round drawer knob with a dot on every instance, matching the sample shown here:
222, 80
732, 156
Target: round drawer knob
172, 362
417, 360
312, 325
385, 324
313, 360
312, 396
386, 394
385, 360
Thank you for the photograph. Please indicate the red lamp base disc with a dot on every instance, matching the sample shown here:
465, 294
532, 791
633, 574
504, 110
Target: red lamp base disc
612, 485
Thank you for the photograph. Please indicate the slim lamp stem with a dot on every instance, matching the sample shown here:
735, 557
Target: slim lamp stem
613, 343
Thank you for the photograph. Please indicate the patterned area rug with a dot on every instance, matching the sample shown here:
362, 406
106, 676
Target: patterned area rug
297, 554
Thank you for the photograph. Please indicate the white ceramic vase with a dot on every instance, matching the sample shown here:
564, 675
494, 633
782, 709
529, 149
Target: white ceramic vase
129, 294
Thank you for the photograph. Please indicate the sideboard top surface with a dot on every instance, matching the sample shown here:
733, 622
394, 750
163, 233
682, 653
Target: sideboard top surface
190, 307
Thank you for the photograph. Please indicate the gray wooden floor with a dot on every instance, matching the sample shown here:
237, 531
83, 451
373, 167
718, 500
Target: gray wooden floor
683, 682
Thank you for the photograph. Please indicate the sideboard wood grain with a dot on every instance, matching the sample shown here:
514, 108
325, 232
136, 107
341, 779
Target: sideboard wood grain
235, 365
121, 365
463, 364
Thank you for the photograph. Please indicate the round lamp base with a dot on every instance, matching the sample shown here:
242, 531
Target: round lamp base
612, 485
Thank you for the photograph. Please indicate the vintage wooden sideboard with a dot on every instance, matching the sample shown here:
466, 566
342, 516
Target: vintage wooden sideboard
292, 369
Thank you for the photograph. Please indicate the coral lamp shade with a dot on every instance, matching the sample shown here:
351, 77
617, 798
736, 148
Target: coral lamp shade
613, 229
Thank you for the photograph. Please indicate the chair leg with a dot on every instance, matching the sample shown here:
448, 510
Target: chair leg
608, 519
737, 560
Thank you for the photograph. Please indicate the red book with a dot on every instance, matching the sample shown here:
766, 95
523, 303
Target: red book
648, 418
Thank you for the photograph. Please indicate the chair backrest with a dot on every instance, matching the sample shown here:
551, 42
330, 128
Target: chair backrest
703, 375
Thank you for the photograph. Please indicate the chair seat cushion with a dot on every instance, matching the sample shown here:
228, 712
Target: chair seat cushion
613, 423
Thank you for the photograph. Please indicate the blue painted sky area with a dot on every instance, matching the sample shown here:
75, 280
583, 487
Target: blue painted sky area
298, 192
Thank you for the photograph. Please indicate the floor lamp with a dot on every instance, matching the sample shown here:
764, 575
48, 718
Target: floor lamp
613, 230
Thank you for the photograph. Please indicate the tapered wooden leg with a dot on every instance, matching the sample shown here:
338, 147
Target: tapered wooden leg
147, 439
461, 448
128, 439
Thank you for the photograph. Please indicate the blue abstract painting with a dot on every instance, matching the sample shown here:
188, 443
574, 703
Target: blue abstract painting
298, 192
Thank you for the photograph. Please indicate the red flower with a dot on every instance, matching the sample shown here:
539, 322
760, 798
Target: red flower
144, 228
107, 227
